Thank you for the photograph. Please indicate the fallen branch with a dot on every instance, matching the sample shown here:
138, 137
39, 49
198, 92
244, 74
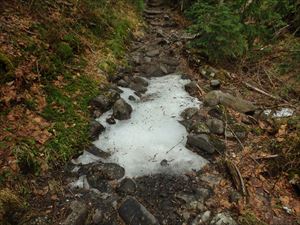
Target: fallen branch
260, 91
267, 157
236, 177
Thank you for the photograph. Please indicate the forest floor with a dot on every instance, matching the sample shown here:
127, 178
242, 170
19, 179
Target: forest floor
252, 180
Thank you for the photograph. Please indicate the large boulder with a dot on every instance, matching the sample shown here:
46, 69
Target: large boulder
216, 97
134, 213
122, 110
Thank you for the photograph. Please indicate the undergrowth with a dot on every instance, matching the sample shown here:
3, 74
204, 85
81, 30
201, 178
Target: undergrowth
45, 63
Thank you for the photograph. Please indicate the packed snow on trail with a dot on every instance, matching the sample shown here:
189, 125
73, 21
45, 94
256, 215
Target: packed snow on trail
152, 141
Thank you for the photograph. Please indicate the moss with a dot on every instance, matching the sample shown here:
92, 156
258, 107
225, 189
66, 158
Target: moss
6, 69
250, 219
69, 113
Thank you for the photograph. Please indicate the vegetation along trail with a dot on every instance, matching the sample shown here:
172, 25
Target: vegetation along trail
174, 112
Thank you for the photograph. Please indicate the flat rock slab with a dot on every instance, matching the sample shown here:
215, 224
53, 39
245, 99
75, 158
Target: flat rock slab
153, 12
134, 213
216, 97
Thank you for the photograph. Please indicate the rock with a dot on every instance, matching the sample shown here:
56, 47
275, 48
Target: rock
169, 61
98, 183
108, 171
131, 98
97, 217
137, 87
122, 83
164, 163
134, 213
147, 59
191, 88
215, 126
204, 142
236, 130
122, 110
97, 152
222, 219
200, 142
95, 130
164, 69
127, 186
153, 70
202, 218
104, 102
140, 80
234, 196
215, 84
78, 215
153, 53
111, 120
200, 127
216, 97
189, 113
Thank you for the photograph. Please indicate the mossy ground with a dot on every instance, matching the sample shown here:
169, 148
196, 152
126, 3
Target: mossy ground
58, 53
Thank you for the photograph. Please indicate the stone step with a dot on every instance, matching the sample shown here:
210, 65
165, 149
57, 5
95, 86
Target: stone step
152, 12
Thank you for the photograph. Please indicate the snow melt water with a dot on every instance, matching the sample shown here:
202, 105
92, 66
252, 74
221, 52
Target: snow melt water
152, 141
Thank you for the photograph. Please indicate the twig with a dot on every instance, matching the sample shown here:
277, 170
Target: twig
260, 91
175, 145
202, 92
267, 157
236, 176
236, 137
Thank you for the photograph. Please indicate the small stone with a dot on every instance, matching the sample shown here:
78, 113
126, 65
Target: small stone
111, 120
134, 213
127, 186
164, 163
131, 98
153, 53
191, 88
137, 87
147, 59
215, 126
97, 216
122, 110
95, 130
200, 142
189, 113
222, 219
234, 196
140, 80
200, 127
108, 171
78, 215
98, 183
122, 83
215, 84
164, 69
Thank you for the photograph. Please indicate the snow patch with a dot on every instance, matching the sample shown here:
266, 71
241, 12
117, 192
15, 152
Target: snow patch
153, 134
284, 112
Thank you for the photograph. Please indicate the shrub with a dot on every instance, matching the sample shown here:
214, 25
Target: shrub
64, 50
219, 31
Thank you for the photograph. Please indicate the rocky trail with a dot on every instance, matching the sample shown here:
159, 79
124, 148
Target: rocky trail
152, 159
